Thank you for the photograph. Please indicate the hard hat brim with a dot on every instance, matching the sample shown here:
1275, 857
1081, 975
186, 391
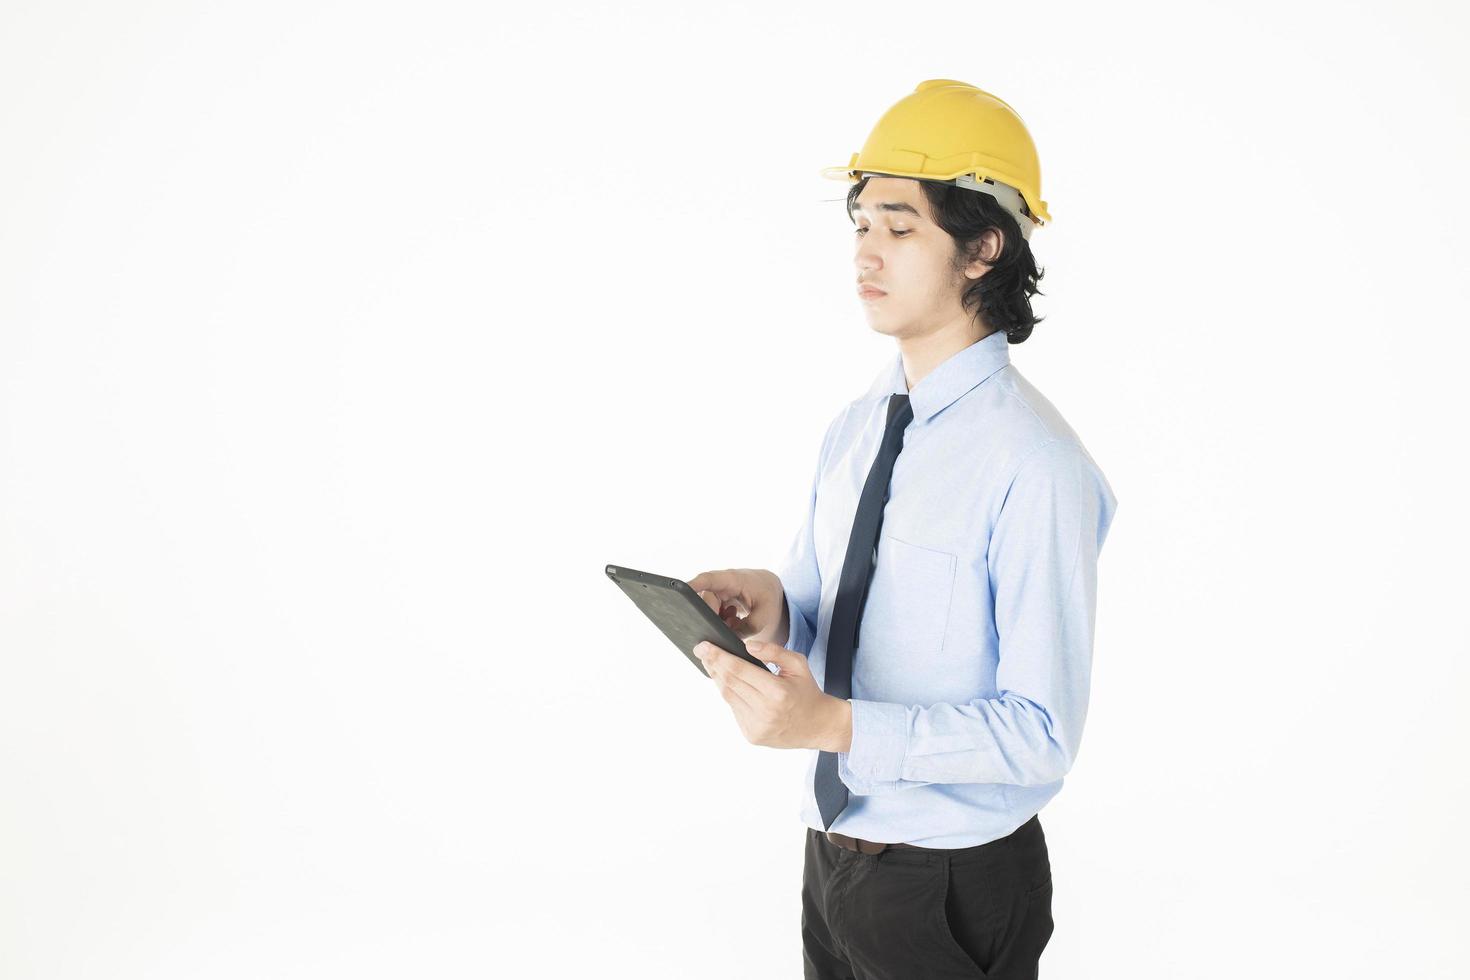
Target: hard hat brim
851, 174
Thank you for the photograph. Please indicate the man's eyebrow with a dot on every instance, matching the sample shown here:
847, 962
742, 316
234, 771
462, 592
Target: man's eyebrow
898, 206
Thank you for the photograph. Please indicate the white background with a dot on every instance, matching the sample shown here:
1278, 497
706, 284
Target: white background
343, 344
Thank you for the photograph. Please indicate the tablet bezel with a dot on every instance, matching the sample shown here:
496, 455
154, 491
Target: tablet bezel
680, 614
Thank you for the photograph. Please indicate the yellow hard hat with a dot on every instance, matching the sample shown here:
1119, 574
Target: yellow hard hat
953, 131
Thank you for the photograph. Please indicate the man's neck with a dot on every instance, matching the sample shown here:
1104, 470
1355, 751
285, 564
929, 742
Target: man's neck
923, 354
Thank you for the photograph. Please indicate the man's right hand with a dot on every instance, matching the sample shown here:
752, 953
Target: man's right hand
751, 601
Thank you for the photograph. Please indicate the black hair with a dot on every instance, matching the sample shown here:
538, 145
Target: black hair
1002, 297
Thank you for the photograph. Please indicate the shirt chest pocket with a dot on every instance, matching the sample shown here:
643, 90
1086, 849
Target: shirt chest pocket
907, 609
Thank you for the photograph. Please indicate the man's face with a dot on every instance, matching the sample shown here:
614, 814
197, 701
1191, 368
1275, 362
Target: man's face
899, 249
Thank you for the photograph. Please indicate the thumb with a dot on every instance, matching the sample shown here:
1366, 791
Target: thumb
788, 660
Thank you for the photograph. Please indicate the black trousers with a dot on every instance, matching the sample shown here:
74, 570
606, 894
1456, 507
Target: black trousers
973, 912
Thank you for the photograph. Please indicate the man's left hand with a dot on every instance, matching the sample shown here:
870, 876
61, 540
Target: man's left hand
781, 711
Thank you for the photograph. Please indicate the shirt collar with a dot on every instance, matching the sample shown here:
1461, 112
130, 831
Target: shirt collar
951, 378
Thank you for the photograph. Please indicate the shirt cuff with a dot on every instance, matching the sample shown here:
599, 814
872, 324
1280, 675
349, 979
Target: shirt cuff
880, 737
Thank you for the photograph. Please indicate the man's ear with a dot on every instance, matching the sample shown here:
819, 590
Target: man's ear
983, 252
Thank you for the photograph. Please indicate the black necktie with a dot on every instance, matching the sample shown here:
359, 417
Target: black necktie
852, 593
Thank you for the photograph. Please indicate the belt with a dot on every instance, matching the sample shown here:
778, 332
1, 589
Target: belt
866, 846
878, 847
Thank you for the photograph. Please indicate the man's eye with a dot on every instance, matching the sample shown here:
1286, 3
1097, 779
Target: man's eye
897, 232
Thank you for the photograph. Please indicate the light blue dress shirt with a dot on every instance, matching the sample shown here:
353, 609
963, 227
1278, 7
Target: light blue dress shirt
971, 673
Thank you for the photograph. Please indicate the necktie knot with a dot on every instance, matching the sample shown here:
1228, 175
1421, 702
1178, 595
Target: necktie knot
898, 405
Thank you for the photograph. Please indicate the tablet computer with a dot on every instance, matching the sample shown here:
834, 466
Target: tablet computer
679, 613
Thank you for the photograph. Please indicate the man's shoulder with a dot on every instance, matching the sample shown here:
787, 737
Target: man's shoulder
1018, 409
1013, 422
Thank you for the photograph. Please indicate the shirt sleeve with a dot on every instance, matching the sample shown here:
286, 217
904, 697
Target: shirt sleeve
1042, 559
801, 579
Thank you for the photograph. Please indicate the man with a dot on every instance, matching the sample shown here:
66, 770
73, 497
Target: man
932, 623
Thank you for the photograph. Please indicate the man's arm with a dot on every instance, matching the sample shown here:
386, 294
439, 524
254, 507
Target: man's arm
801, 579
1043, 577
